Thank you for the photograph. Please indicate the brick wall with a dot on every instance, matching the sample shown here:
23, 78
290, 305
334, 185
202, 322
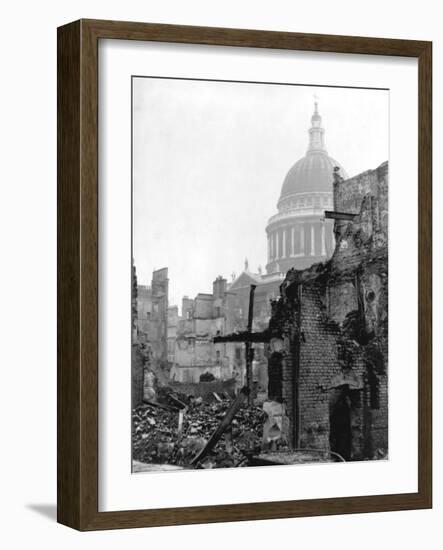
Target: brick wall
333, 318
318, 364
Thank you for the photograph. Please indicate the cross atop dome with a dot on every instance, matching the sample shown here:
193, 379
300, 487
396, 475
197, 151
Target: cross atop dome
316, 132
315, 104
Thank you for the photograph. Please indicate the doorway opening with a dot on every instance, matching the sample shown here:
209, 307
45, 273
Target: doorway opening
340, 432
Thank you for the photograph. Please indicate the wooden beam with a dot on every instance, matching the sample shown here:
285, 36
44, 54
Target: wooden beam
248, 348
223, 426
244, 336
339, 215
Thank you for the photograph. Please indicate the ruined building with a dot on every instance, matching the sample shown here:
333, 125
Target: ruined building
150, 327
137, 359
190, 343
191, 348
158, 319
330, 331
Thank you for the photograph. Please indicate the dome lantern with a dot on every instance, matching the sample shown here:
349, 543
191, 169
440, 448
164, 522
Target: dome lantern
316, 132
313, 172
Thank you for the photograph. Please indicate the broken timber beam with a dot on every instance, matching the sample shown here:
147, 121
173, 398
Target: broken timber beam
176, 402
331, 214
244, 336
249, 352
223, 426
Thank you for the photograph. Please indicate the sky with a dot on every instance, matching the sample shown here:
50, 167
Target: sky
209, 160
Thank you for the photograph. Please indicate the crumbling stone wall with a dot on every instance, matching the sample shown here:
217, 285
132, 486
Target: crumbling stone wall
349, 193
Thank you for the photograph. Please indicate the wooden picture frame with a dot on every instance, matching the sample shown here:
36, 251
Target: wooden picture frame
78, 273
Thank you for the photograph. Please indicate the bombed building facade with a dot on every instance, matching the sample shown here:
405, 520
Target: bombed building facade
152, 313
330, 364
149, 331
304, 341
192, 334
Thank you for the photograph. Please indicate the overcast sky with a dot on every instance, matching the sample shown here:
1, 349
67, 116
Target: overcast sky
209, 160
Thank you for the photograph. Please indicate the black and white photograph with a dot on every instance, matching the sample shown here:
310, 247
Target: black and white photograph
218, 304
259, 274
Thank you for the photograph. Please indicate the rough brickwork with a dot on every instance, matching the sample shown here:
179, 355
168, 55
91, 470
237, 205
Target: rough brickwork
318, 353
333, 319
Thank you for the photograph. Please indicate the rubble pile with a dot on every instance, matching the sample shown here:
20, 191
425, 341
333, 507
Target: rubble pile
156, 436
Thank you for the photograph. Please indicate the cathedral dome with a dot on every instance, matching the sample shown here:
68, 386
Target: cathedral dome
298, 235
313, 172
310, 174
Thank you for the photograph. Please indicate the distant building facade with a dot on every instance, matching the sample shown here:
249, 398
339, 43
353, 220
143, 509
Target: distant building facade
195, 354
172, 333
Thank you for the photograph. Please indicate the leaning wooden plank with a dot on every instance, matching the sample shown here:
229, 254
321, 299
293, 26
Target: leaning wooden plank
223, 426
176, 401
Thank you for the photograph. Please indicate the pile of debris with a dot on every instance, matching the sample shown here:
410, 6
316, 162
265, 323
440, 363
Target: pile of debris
175, 431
